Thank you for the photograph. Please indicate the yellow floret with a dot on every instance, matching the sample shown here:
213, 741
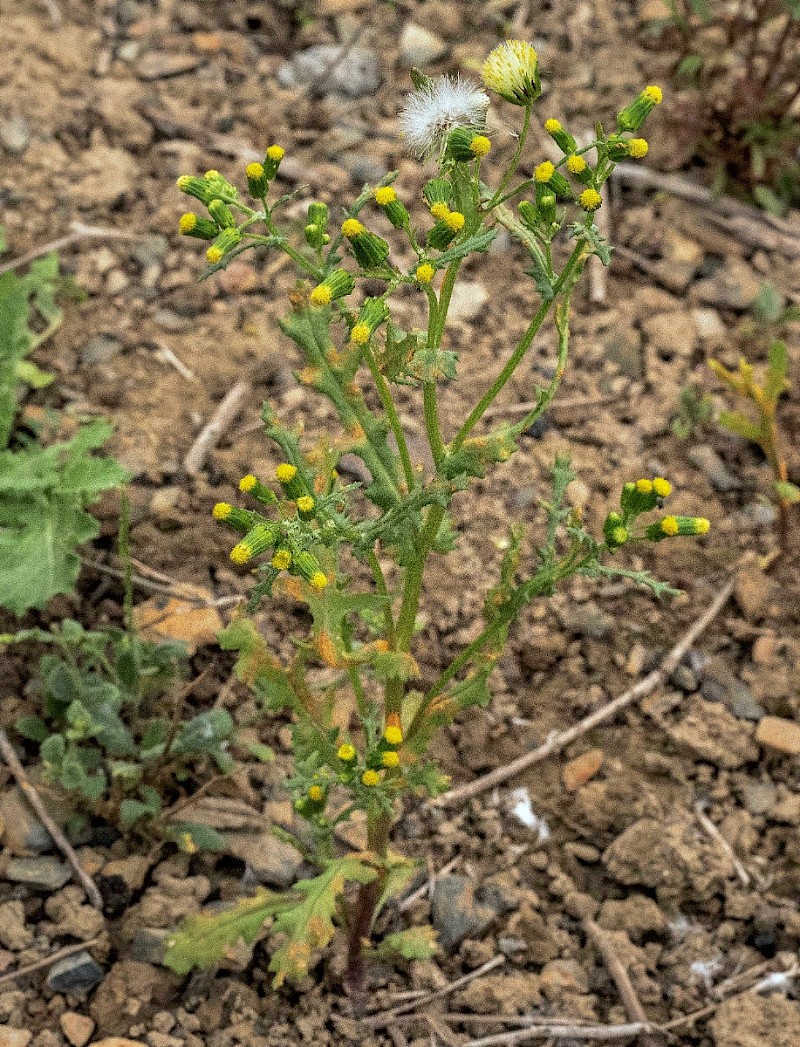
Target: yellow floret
455, 221
352, 227
552, 126
662, 487
247, 483
644, 486
620, 535
346, 752
316, 793
425, 273
480, 145
182, 181
385, 195
285, 472
213, 254
701, 525
318, 580
544, 172
275, 152
590, 199
305, 503
370, 778
654, 93
281, 560
221, 511
254, 170
637, 147
390, 759
321, 295
669, 525
213, 173
576, 164
440, 210
240, 554
393, 735
187, 222
360, 334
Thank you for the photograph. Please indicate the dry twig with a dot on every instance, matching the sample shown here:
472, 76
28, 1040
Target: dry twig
616, 968
18, 771
563, 1032
209, 436
558, 741
378, 1021
598, 272
47, 961
716, 835
426, 887
80, 231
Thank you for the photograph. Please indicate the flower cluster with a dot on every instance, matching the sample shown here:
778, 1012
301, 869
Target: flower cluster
642, 496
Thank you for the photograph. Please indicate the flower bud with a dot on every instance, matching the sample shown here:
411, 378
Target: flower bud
546, 205
272, 161
590, 200
565, 142
316, 236
252, 485
307, 566
614, 531
241, 520
306, 507
191, 224
424, 273
226, 240
546, 174
220, 186
437, 191
318, 214
634, 115
337, 284
464, 145
290, 480
512, 71
670, 526
395, 211
639, 497
221, 214
370, 251
372, 314
257, 540
257, 181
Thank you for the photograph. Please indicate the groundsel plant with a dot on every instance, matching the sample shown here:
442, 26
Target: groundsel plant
305, 530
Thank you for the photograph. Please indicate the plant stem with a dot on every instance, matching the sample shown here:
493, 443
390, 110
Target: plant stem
363, 912
391, 414
526, 123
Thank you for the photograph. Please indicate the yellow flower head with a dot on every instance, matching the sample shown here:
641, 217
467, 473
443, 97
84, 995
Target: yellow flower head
240, 554
440, 210
662, 487
346, 752
637, 148
620, 535
455, 221
544, 172
254, 170
352, 227
360, 334
187, 222
480, 145
276, 153
213, 173
425, 273
316, 793
221, 511
285, 472
305, 503
552, 126
318, 580
393, 735
669, 525
590, 199
644, 486
213, 254
281, 560
321, 295
385, 195
654, 93
701, 525
370, 778
390, 758
576, 164
247, 483
512, 71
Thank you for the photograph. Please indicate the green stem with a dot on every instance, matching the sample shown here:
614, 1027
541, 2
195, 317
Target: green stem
383, 590
515, 159
391, 413
522, 347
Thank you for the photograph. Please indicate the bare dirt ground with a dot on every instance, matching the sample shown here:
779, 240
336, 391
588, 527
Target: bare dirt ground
99, 116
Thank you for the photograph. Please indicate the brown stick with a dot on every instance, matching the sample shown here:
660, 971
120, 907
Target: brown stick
606, 712
12, 762
46, 961
209, 436
79, 232
617, 970
562, 1032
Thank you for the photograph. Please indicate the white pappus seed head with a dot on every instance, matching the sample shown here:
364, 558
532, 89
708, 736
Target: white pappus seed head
434, 110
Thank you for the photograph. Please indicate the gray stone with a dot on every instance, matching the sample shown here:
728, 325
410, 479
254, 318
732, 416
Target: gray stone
271, 860
168, 320
742, 702
363, 167
708, 324
24, 834
43, 874
78, 974
708, 461
733, 286
587, 619
149, 945
455, 913
100, 349
150, 250
15, 135
623, 348
683, 677
13, 932
468, 300
357, 73
420, 47
759, 797
161, 65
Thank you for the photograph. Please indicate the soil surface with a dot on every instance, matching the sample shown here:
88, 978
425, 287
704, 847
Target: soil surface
99, 116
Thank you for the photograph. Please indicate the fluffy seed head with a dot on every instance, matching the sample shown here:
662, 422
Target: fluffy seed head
433, 111
512, 71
